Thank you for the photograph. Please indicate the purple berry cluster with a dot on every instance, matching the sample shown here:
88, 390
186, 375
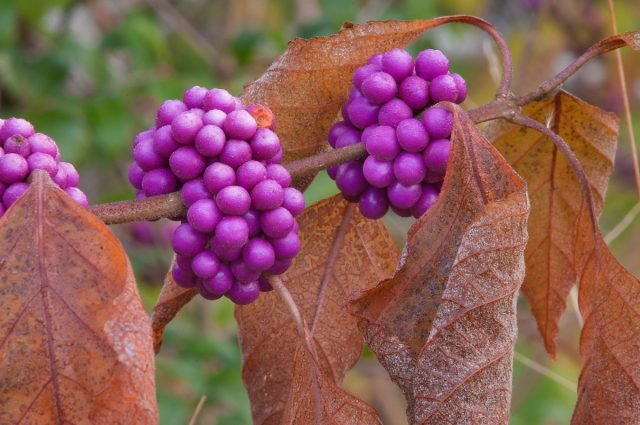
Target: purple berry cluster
390, 110
225, 160
22, 151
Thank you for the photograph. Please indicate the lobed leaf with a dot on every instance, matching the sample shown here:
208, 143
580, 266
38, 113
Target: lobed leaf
294, 379
557, 204
75, 341
444, 326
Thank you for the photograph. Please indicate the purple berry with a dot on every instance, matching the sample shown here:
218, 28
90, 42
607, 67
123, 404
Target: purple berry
78, 196
15, 126
187, 241
214, 117
205, 293
218, 176
280, 174
414, 91
362, 113
185, 127
158, 182
264, 284
163, 142
135, 175
251, 173
431, 63
375, 60
235, 153
186, 163
221, 282
258, 254
240, 125
210, 140
183, 262
350, 179
233, 200
17, 144
182, 277
443, 88
286, 247
13, 193
293, 201
61, 178
403, 197
168, 111
265, 144
13, 168
204, 215
378, 173
243, 294
347, 138
193, 191
361, 74
193, 97
146, 157
205, 265
276, 223
438, 122
461, 87
381, 142
379, 87
436, 155
267, 195
146, 134
412, 135
232, 232
225, 253
336, 130
398, 63
428, 197
374, 203
402, 212
243, 273
73, 178
280, 266
42, 143
219, 99
432, 177
394, 111
252, 217
42, 161
277, 158
409, 168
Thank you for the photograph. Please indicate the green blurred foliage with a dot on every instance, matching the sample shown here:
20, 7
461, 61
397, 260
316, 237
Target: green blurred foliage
91, 74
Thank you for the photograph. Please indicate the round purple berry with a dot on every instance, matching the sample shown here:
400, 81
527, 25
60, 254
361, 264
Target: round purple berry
221, 282
287, 246
265, 144
78, 196
414, 91
443, 88
204, 215
267, 195
293, 201
146, 156
251, 173
185, 127
13, 168
168, 111
374, 203
17, 144
411, 135
73, 178
182, 277
15, 126
219, 99
264, 284
350, 179
243, 294
436, 155
233, 200
252, 217
461, 87
280, 174
336, 130
431, 63
361, 112
214, 117
403, 197
235, 153
205, 265
42, 161
135, 175
243, 273
42, 143
381, 142
187, 241
258, 254
218, 176
158, 182
61, 178
232, 232
398, 63
240, 125
276, 223
409, 168
379, 87
438, 122
186, 163
361, 74
193, 96
427, 199
280, 266
163, 142
193, 191
378, 173
394, 111
210, 140
13, 193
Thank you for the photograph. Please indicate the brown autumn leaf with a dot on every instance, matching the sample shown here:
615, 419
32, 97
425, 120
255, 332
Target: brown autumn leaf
170, 301
73, 332
609, 385
306, 86
556, 197
288, 382
444, 326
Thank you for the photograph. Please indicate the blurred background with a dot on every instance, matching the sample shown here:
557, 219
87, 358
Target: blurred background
91, 73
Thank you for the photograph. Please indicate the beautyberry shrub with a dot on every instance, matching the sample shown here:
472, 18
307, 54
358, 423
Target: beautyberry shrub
225, 159
22, 151
390, 110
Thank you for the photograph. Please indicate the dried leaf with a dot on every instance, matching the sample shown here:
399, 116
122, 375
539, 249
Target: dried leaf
171, 300
609, 386
73, 332
444, 326
306, 86
556, 197
288, 382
